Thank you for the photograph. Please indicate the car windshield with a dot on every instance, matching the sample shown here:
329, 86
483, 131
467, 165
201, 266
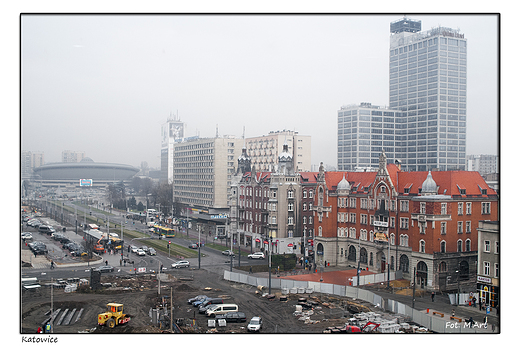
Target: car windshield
255, 322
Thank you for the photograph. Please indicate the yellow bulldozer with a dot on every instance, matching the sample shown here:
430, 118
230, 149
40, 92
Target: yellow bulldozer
113, 316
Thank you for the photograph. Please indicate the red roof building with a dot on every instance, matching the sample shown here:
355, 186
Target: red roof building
425, 221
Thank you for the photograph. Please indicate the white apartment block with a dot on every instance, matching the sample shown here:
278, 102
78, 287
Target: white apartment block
484, 164
264, 150
172, 131
203, 169
72, 156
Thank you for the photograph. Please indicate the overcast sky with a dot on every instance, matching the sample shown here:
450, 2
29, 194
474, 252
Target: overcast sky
104, 84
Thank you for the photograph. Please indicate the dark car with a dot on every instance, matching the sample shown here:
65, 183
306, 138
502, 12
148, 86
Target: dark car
57, 237
194, 299
199, 302
64, 240
105, 269
235, 317
204, 306
38, 248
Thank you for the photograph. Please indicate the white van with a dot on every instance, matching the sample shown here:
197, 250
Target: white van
221, 309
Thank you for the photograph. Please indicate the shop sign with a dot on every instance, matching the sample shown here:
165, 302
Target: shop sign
483, 279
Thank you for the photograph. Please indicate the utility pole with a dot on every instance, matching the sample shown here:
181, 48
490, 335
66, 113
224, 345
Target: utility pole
413, 289
171, 309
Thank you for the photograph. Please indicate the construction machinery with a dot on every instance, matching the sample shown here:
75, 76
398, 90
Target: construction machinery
357, 329
113, 316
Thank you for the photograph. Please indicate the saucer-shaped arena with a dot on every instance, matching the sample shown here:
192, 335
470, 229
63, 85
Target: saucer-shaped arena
72, 173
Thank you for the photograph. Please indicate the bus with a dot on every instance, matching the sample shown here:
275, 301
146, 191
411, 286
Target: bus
164, 231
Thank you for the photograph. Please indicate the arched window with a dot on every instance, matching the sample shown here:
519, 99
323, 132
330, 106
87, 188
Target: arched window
464, 270
468, 245
404, 264
422, 246
392, 239
319, 231
459, 245
371, 259
363, 257
443, 246
352, 253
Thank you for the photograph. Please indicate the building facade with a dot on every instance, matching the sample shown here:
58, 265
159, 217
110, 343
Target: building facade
364, 131
428, 80
264, 150
72, 156
423, 221
488, 275
274, 207
172, 131
203, 170
29, 161
484, 164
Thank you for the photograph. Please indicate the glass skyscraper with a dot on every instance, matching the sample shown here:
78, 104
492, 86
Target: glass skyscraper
428, 86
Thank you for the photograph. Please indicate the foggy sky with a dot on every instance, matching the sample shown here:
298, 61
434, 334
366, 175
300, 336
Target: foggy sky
104, 84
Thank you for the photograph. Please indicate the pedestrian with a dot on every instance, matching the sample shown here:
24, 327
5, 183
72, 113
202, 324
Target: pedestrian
39, 330
471, 322
453, 312
485, 319
433, 296
474, 300
250, 269
480, 304
52, 264
106, 262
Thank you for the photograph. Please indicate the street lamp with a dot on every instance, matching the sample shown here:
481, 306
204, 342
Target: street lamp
270, 250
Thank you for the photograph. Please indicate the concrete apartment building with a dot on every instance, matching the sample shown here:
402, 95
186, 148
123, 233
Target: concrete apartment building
264, 150
172, 131
29, 161
202, 170
72, 156
484, 164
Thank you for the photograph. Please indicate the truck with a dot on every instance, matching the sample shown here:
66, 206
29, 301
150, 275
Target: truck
113, 316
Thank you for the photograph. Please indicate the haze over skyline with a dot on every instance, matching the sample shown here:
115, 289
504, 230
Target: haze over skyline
104, 84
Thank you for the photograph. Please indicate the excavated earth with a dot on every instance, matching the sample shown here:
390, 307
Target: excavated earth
140, 294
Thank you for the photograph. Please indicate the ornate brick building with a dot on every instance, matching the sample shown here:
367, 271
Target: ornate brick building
425, 221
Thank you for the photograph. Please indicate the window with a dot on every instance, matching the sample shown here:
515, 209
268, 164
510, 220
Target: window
423, 208
443, 209
443, 246
290, 207
486, 268
311, 194
304, 220
364, 219
443, 227
486, 208
364, 203
290, 194
304, 193
459, 245
468, 245
320, 231
496, 247
442, 267
496, 270
487, 246
310, 220
403, 222
468, 226
392, 222
460, 209
404, 206
468, 208
304, 206
352, 218
459, 227
290, 221
392, 239
422, 246
273, 220
352, 202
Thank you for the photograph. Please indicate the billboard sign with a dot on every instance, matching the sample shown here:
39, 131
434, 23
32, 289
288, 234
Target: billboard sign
85, 182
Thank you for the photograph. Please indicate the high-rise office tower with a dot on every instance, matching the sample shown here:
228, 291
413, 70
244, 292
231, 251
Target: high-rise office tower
428, 85
172, 131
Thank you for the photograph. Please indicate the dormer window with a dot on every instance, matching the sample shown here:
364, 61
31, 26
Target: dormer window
407, 190
462, 191
484, 191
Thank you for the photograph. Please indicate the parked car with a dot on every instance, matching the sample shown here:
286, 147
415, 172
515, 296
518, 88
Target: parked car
228, 253
221, 309
151, 251
235, 317
27, 236
105, 269
194, 299
140, 252
255, 324
181, 264
46, 229
193, 246
197, 303
208, 302
256, 255
38, 248
57, 236
64, 240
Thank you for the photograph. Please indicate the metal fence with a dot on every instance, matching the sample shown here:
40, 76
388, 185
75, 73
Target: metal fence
434, 324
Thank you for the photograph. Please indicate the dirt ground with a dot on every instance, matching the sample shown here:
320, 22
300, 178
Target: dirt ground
140, 294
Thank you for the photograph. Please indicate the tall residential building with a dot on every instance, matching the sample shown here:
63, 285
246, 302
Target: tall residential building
29, 161
172, 131
484, 164
203, 169
264, 150
364, 131
72, 156
428, 84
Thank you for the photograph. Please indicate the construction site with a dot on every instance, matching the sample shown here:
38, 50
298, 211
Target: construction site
158, 304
